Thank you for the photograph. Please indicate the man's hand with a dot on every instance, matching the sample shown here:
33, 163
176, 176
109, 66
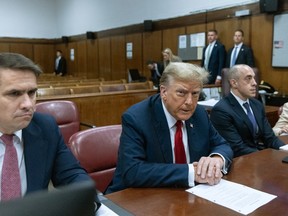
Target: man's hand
208, 170
284, 129
218, 82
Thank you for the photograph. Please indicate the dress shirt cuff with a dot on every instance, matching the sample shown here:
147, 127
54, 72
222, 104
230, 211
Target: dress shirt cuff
284, 147
224, 168
219, 77
191, 175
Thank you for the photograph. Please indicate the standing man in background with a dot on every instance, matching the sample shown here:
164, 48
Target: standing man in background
60, 64
240, 53
213, 59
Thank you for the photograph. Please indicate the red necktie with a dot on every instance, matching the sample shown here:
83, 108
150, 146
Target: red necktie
10, 179
179, 150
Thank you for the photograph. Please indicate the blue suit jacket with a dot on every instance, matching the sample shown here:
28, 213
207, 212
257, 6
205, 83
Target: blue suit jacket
245, 56
216, 62
231, 121
47, 156
145, 155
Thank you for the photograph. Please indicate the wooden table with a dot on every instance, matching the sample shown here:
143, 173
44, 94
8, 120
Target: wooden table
262, 170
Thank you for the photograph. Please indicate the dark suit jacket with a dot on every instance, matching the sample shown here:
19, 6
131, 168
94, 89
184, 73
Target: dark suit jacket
216, 62
47, 156
231, 121
61, 66
145, 155
155, 77
245, 56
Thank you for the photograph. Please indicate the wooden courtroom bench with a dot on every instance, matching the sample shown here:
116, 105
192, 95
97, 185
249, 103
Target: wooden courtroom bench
112, 87
52, 91
139, 85
103, 108
85, 89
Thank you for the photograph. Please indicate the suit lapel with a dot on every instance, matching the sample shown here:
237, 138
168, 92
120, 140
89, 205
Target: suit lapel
35, 152
190, 134
239, 110
257, 115
162, 131
241, 53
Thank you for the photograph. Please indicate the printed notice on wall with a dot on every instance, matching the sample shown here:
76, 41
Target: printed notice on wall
129, 50
182, 41
197, 40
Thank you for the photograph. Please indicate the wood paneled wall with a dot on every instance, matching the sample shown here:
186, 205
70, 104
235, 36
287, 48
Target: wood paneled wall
106, 55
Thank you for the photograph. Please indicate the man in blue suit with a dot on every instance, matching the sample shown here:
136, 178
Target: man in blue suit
213, 59
147, 156
41, 154
240, 53
232, 119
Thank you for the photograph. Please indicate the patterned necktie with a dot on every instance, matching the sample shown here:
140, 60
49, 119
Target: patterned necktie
10, 178
179, 150
234, 56
251, 117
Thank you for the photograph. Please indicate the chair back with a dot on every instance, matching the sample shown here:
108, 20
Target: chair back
225, 85
97, 151
65, 113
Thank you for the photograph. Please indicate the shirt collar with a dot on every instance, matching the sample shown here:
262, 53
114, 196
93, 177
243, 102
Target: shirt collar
239, 45
240, 101
17, 134
170, 119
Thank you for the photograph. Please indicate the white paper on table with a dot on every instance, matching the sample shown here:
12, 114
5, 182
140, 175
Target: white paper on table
105, 211
208, 103
237, 197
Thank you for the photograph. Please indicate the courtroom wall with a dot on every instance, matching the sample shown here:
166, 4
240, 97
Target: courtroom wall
106, 55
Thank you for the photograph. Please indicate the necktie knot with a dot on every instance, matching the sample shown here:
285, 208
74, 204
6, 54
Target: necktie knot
7, 139
179, 124
247, 106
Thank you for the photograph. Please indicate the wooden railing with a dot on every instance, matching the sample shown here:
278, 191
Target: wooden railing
103, 108
74, 88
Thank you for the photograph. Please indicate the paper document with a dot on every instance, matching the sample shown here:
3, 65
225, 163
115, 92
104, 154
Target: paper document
208, 103
237, 197
105, 211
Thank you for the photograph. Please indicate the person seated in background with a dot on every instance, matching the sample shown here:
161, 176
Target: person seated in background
239, 53
168, 140
32, 149
60, 64
240, 118
168, 57
281, 126
156, 71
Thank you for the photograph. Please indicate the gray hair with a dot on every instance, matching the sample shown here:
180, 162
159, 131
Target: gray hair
18, 62
185, 72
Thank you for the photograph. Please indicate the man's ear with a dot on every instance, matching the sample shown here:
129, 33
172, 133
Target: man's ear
163, 92
233, 83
